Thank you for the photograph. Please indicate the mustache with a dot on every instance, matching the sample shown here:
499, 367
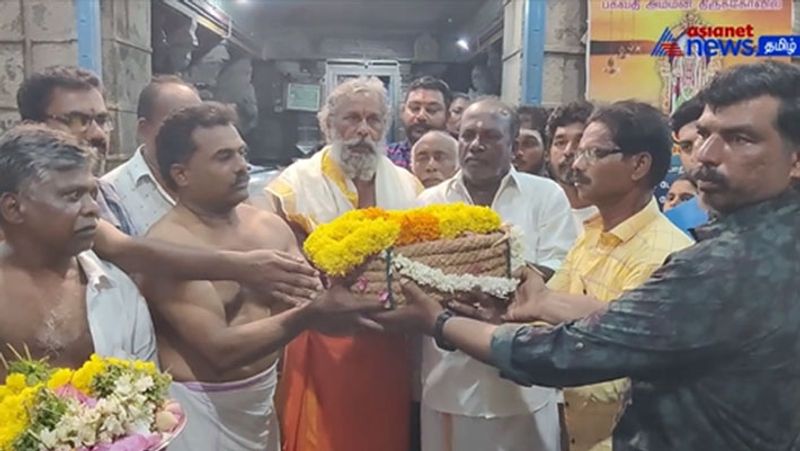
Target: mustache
99, 144
568, 175
242, 179
707, 174
359, 142
577, 177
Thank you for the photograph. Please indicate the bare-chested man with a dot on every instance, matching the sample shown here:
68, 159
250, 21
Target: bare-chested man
57, 297
70, 99
219, 339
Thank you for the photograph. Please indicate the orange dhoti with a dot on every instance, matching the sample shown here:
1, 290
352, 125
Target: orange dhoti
346, 393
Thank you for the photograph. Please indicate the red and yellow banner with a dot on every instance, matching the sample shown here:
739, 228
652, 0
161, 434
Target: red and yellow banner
664, 51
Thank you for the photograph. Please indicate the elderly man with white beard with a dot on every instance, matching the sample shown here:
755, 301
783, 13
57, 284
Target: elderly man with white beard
350, 391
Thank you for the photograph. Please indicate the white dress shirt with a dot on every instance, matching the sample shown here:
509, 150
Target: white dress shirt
143, 197
455, 383
118, 318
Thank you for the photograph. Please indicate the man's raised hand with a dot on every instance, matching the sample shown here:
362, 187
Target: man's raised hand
285, 277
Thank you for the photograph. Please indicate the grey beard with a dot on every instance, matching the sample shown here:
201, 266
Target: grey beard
355, 165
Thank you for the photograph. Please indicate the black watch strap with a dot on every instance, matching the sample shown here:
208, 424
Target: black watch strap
438, 331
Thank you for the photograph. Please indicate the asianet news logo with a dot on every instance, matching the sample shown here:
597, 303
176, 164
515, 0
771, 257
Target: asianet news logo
708, 41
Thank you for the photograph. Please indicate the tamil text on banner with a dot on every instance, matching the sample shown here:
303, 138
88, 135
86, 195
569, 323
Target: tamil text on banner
664, 51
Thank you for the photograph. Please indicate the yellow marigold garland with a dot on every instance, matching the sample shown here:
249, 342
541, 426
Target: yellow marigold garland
341, 245
418, 226
347, 242
14, 419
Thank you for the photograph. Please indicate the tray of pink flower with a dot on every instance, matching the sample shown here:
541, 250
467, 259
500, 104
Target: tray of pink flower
108, 404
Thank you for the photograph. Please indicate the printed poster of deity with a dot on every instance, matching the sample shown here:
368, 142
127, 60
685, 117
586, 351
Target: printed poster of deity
664, 51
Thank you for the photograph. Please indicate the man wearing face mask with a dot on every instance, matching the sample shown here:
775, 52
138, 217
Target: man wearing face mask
424, 109
564, 130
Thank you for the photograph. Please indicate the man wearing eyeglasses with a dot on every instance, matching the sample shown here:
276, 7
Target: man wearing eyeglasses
710, 341
71, 99
625, 150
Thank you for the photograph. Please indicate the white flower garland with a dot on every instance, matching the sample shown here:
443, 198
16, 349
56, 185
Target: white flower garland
500, 287
515, 235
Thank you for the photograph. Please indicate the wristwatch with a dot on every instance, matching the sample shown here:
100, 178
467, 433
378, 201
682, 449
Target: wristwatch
438, 331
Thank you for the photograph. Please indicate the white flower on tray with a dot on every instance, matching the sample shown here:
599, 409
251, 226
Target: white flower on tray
108, 404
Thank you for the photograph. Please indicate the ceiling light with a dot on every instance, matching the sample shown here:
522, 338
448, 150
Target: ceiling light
463, 44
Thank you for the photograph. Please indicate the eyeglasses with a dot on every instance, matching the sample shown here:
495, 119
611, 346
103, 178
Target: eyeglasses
80, 122
594, 154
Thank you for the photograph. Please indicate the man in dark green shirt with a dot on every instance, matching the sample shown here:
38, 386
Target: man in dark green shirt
711, 342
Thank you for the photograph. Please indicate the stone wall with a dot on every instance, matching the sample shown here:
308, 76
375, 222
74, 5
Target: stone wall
35, 34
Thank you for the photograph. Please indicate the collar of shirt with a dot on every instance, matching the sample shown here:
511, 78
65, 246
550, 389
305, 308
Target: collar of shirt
97, 277
111, 208
140, 171
746, 217
628, 228
456, 185
139, 168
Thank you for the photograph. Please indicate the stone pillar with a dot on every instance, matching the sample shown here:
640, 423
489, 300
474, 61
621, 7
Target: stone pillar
564, 55
564, 78
126, 68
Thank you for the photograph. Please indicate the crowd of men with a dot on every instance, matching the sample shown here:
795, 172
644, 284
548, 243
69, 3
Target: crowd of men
633, 328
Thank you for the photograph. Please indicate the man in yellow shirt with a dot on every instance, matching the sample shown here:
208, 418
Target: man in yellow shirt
623, 154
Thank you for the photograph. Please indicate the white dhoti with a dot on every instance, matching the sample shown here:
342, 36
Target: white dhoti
530, 432
229, 416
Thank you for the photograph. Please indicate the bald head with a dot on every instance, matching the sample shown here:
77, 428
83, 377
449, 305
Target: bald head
434, 158
496, 107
